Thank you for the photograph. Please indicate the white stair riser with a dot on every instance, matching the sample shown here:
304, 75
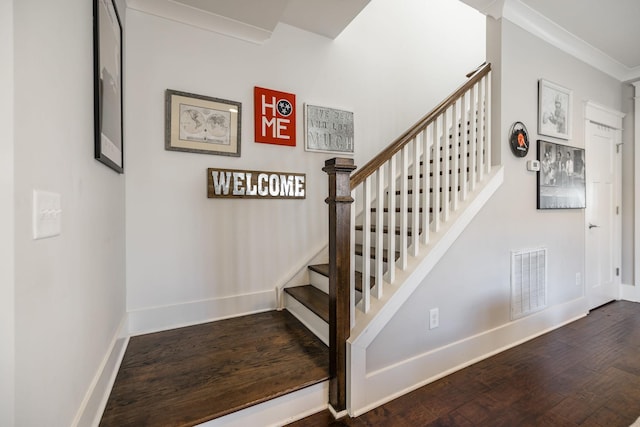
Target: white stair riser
385, 240
315, 324
320, 281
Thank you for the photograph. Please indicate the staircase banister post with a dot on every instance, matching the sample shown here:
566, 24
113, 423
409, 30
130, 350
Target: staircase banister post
339, 201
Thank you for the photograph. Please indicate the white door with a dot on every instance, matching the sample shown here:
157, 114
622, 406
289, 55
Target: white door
602, 216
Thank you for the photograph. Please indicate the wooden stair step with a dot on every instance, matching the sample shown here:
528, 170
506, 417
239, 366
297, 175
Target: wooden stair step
188, 376
312, 298
385, 255
324, 270
385, 229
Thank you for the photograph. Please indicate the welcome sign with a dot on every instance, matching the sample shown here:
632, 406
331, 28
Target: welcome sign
232, 183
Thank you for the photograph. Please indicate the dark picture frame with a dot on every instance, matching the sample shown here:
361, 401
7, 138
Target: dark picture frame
107, 66
561, 179
202, 124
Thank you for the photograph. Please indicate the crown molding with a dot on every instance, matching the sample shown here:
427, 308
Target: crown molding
539, 25
199, 18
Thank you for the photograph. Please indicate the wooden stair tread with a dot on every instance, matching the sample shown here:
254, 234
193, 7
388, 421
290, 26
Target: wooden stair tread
324, 270
188, 376
385, 257
385, 229
312, 298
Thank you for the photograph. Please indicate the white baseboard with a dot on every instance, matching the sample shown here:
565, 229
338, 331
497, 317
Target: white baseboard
277, 412
95, 400
370, 390
630, 293
154, 319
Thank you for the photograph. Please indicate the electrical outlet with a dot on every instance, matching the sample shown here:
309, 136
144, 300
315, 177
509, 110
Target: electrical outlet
434, 318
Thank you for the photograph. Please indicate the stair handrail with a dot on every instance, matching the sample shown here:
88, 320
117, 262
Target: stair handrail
374, 164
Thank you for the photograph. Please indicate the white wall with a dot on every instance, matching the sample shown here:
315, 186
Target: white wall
7, 285
70, 290
186, 252
471, 285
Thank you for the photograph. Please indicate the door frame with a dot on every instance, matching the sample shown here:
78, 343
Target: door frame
601, 115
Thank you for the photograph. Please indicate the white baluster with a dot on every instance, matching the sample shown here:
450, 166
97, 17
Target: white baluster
435, 186
391, 219
379, 270
426, 182
404, 190
455, 153
415, 198
473, 126
366, 244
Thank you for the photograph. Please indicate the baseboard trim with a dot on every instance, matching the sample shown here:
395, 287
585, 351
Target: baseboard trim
95, 400
386, 384
630, 293
155, 319
280, 411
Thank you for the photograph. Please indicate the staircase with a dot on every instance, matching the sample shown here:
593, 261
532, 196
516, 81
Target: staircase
409, 205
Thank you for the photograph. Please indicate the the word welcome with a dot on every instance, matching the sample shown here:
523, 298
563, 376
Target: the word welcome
226, 183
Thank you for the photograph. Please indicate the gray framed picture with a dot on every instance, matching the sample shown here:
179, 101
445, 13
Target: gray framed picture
328, 130
561, 179
202, 124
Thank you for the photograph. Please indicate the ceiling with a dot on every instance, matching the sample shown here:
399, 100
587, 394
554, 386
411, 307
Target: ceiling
604, 33
612, 26
255, 20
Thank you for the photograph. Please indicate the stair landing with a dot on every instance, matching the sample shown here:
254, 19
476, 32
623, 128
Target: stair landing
190, 375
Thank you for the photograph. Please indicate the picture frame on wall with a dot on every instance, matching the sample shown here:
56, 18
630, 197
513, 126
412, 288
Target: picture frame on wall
561, 178
107, 65
554, 110
328, 130
202, 124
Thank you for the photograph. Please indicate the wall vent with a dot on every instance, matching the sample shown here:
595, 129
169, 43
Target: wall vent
528, 282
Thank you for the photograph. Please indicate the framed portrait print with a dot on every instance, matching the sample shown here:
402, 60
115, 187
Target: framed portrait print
202, 124
561, 179
554, 110
107, 65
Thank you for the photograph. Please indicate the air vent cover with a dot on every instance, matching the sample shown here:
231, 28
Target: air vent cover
528, 282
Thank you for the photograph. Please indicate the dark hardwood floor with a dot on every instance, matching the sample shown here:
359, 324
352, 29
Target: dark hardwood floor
584, 374
190, 375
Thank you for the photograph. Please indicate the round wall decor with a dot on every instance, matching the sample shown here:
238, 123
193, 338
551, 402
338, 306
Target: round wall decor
519, 139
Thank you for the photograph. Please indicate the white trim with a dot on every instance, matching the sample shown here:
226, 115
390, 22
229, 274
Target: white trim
603, 115
201, 19
95, 400
630, 293
384, 385
369, 325
154, 319
7, 217
636, 186
280, 411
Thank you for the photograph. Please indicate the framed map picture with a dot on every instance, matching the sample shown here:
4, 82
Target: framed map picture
202, 124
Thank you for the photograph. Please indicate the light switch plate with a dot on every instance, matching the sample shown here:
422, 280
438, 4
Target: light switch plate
47, 214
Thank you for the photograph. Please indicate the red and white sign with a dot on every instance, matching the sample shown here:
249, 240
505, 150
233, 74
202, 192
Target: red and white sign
275, 116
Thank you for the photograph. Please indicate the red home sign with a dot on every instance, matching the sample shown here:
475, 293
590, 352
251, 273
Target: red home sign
275, 116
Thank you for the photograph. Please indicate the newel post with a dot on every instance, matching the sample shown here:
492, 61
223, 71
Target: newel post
339, 201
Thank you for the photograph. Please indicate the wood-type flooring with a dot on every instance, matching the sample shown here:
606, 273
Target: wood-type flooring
186, 376
586, 373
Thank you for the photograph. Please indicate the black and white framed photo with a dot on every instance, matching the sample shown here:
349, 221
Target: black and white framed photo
554, 110
561, 179
107, 65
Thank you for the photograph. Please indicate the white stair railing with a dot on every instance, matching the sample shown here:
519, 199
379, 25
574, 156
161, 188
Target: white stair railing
408, 192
